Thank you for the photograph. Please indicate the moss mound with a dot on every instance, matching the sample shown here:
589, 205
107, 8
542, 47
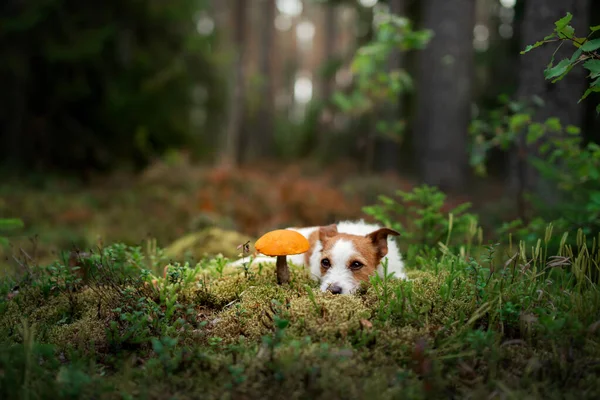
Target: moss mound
208, 242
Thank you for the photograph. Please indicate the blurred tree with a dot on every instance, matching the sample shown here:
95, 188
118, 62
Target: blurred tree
373, 98
100, 83
261, 141
386, 148
231, 153
329, 48
444, 93
328, 74
559, 100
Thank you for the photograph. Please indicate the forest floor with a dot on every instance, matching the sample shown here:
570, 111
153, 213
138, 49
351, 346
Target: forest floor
168, 201
460, 328
126, 321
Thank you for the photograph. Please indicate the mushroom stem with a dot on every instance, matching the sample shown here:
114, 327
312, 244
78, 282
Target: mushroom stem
283, 272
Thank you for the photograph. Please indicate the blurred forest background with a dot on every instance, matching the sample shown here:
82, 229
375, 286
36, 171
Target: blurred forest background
122, 120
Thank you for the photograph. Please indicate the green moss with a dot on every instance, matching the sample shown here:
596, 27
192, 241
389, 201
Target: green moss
60, 320
45, 313
411, 343
248, 315
88, 330
333, 317
208, 242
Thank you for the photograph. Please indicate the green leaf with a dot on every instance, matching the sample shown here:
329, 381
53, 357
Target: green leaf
591, 45
534, 132
517, 121
558, 70
3, 241
553, 124
10, 224
595, 197
343, 102
576, 55
590, 90
573, 130
532, 46
594, 87
563, 28
568, 32
578, 42
593, 66
563, 22
381, 126
595, 28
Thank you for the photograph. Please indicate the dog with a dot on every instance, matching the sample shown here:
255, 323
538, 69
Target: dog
343, 255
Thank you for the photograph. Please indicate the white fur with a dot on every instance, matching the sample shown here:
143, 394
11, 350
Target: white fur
338, 274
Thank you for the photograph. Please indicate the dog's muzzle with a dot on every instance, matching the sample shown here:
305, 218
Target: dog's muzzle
335, 289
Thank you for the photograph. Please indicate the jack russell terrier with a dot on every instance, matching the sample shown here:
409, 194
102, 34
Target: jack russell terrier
343, 255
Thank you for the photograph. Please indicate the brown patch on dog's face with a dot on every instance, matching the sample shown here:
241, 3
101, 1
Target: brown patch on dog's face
366, 255
327, 232
312, 240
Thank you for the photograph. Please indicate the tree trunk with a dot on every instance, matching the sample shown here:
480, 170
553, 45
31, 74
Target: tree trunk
261, 142
231, 152
561, 98
326, 83
367, 140
444, 93
387, 149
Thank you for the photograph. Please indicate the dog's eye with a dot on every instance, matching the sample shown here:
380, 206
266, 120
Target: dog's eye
356, 265
325, 263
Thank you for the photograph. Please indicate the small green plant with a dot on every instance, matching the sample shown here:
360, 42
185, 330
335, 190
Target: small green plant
217, 264
169, 355
423, 224
8, 225
571, 167
481, 340
21, 366
383, 290
277, 321
311, 295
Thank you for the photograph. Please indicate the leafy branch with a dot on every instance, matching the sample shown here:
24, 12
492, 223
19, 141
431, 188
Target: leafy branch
374, 85
586, 54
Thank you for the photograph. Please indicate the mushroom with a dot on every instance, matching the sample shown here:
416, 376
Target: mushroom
282, 243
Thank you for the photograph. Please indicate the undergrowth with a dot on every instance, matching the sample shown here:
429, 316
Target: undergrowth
124, 322
182, 198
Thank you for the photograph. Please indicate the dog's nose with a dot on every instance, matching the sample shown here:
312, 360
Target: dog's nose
335, 289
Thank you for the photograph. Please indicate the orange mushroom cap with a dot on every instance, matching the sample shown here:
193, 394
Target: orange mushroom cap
282, 242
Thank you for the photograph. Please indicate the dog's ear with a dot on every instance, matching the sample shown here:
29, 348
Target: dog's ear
379, 240
326, 232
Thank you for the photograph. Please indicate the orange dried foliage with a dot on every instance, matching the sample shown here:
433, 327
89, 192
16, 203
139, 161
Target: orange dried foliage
75, 216
260, 201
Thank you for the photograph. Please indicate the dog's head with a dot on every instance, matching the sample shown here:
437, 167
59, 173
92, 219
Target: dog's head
347, 260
